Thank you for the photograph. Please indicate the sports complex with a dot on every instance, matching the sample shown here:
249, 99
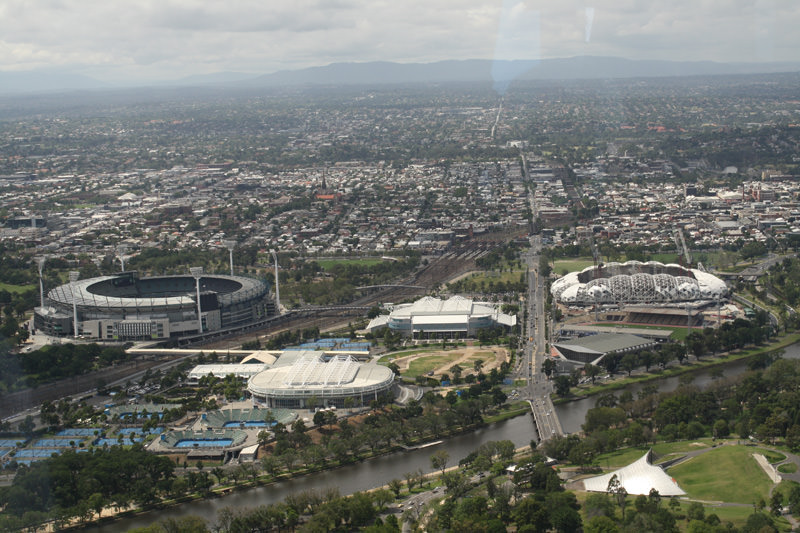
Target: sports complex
310, 378
127, 307
637, 282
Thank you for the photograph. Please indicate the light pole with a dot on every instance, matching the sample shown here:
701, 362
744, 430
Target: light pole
73, 277
121, 249
230, 245
277, 288
40, 263
197, 273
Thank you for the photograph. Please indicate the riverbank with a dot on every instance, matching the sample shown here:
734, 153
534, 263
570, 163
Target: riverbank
707, 362
319, 475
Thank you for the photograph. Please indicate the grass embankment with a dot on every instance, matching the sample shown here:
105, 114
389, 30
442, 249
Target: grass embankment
727, 473
708, 361
662, 450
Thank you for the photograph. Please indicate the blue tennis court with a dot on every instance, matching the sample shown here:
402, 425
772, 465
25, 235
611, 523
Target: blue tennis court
4, 452
78, 432
10, 443
116, 442
57, 443
248, 424
40, 453
203, 443
138, 431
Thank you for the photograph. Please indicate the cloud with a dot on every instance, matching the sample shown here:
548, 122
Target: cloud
147, 39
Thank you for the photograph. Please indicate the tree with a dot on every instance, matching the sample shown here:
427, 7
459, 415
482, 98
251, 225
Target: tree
548, 366
439, 460
600, 524
562, 384
628, 363
592, 371
396, 486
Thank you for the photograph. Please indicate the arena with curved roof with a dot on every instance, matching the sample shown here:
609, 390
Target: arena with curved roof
431, 317
311, 377
637, 282
127, 307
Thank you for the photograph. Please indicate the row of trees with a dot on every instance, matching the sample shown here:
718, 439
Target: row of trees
55, 361
759, 402
76, 485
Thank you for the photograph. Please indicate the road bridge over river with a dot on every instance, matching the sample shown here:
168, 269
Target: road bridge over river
539, 388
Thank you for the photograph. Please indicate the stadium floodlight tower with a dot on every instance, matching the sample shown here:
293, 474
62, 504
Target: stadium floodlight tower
40, 264
73, 277
277, 288
197, 273
230, 244
121, 249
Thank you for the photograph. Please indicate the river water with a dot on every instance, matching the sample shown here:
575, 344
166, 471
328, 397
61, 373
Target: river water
379, 471
352, 478
573, 414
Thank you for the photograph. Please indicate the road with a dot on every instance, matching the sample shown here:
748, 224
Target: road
539, 387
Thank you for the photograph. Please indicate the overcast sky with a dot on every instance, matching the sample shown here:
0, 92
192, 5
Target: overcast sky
124, 40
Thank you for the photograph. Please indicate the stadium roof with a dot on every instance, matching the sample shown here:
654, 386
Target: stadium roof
592, 348
638, 477
642, 332
309, 373
605, 343
239, 370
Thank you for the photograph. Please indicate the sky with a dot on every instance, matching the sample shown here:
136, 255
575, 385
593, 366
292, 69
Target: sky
151, 40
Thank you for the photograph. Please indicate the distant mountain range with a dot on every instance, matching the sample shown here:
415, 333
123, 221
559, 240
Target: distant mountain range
499, 73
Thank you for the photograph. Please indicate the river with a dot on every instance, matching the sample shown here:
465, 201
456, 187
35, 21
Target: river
348, 479
379, 471
573, 414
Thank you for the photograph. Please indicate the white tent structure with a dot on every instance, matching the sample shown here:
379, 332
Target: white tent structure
638, 477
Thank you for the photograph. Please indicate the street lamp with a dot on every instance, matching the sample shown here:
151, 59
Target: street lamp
121, 249
230, 245
277, 288
40, 264
197, 273
73, 277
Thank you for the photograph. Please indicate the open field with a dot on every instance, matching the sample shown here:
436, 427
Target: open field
727, 474
327, 264
16, 289
571, 265
626, 456
438, 362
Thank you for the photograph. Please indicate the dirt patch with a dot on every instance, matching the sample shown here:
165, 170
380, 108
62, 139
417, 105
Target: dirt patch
465, 357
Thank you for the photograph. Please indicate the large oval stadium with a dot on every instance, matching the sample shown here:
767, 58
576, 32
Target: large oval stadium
637, 282
127, 307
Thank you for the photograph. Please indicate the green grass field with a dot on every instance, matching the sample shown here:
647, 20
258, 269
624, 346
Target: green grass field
727, 473
678, 333
16, 289
423, 365
788, 468
327, 264
571, 265
626, 456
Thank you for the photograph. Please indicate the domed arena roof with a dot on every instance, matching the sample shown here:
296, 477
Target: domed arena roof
637, 282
